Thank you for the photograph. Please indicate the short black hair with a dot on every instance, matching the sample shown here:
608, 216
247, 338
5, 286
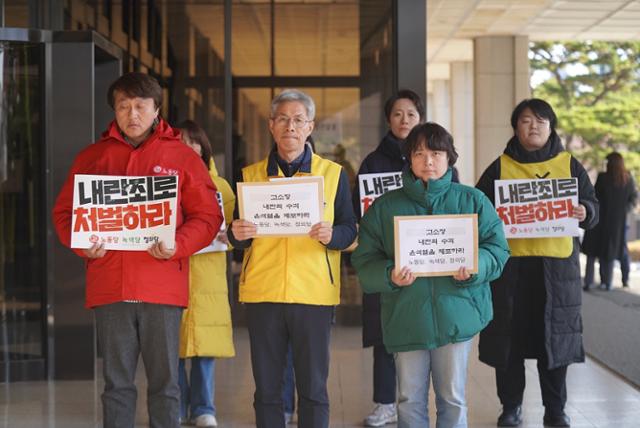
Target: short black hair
407, 94
198, 136
540, 108
432, 136
134, 85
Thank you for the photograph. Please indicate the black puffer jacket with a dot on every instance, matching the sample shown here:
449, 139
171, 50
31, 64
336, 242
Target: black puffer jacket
560, 338
387, 157
607, 239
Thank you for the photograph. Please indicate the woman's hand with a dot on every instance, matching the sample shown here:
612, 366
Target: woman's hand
159, 251
243, 230
402, 278
462, 274
579, 212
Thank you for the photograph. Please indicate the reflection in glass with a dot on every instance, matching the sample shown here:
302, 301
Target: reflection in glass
22, 211
317, 39
251, 41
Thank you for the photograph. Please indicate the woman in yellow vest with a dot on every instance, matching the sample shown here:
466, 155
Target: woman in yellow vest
205, 332
537, 299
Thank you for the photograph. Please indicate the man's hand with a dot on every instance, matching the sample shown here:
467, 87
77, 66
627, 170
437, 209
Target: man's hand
579, 212
159, 251
243, 230
95, 252
403, 277
322, 232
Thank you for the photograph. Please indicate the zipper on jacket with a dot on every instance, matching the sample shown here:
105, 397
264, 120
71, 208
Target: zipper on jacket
326, 254
244, 268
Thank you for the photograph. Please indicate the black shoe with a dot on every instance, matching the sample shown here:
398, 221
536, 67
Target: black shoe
510, 417
559, 420
625, 284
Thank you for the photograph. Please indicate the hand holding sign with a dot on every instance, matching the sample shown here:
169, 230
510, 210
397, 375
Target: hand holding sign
160, 251
96, 251
403, 277
243, 230
579, 212
322, 232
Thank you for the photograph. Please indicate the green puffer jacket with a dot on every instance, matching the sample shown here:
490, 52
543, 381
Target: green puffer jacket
433, 311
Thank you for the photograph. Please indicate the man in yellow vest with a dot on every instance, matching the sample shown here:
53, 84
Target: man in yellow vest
290, 285
537, 299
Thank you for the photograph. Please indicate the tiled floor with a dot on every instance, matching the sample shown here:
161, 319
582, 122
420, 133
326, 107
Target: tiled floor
597, 398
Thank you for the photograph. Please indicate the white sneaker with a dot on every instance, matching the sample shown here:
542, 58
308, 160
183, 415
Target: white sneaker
205, 421
382, 414
288, 417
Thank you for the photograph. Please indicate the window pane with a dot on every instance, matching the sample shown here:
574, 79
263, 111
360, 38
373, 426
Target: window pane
317, 40
251, 41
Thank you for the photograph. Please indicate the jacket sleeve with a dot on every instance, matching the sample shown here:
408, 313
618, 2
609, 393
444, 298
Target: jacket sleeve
62, 210
586, 195
202, 216
493, 249
487, 179
344, 221
370, 259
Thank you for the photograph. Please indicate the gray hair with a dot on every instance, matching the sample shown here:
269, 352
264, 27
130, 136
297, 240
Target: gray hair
289, 95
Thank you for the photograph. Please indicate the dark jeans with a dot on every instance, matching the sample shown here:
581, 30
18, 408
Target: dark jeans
272, 326
384, 376
289, 388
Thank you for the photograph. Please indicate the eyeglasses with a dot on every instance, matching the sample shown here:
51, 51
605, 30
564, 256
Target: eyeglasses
298, 121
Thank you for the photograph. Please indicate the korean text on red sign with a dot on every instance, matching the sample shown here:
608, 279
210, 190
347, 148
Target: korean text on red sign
123, 212
375, 185
537, 208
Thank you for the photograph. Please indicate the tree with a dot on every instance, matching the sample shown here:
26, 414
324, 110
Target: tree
594, 87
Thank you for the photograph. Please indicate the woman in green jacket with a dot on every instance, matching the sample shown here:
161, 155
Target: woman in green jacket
429, 321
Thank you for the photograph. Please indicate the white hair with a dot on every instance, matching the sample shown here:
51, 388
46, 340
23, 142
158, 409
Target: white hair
289, 95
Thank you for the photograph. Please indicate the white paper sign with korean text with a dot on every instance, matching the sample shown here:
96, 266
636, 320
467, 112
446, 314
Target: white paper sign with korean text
537, 208
374, 185
282, 208
436, 245
124, 212
217, 245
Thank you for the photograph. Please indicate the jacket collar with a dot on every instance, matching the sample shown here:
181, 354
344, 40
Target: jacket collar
391, 147
518, 153
423, 194
162, 130
273, 170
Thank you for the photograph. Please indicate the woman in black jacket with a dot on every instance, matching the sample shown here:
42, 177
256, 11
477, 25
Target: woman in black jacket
403, 111
536, 301
617, 194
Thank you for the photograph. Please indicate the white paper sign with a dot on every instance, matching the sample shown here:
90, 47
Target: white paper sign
374, 185
436, 245
537, 208
282, 207
217, 245
124, 212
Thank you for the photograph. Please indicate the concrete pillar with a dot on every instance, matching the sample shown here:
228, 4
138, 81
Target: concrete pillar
440, 103
501, 71
462, 127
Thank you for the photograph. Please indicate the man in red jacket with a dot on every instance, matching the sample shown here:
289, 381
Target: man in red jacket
138, 296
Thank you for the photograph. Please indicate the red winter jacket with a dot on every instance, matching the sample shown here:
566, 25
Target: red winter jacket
136, 275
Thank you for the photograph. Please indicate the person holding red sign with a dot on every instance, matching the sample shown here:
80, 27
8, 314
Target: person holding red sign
429, 322
138, 296
536, 300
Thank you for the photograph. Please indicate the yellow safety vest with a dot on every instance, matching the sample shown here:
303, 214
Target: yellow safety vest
557, 167
294, 269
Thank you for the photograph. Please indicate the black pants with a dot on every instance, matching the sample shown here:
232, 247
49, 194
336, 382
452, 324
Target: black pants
528, 341
384, 376
553, 384
308, 327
